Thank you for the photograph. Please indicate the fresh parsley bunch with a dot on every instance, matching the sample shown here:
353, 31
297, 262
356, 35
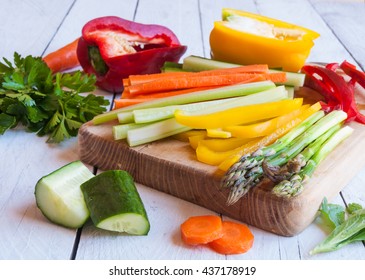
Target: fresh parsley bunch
44, 102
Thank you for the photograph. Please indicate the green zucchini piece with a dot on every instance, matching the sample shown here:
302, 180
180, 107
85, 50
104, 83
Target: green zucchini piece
114, 203
59, 197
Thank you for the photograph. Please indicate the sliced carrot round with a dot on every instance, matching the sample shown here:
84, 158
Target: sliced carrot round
236, 239
201, 229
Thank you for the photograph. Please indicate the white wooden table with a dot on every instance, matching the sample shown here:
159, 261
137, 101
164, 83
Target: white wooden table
40, 26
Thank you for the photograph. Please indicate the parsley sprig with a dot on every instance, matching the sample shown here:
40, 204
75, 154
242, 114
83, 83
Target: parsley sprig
44, 102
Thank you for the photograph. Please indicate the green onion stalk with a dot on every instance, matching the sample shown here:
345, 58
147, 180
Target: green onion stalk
280, 153
295, 185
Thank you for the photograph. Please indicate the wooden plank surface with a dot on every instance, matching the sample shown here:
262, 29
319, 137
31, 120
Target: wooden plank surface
38, 26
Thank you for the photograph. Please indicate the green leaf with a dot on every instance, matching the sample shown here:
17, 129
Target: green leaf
59, 134
353, 207
6, 122
36, 115
72, 124
332, 214
12, 85
349, 231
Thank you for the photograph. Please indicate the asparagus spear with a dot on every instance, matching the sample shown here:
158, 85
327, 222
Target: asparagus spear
294, 165
295, 185
238, 170
243, 184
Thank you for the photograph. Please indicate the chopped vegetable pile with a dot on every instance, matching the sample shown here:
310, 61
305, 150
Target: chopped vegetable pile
43, 102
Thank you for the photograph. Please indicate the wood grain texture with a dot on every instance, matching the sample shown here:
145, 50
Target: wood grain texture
170, 166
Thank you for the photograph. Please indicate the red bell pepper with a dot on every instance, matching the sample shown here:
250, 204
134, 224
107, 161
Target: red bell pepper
113, 48
355, 74
339, 94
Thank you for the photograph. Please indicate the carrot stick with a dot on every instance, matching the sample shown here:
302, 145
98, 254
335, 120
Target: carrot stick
124, 102
254, 68
193, 80
171, 93
237, 239
126, 82
64, 58
201, 229
277, 77
144, 78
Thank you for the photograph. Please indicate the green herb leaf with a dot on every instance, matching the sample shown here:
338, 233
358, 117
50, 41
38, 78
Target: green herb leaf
349, 231
6, 122
332, 214
44, 102
353, 207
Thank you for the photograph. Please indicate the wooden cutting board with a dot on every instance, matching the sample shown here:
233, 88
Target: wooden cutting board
170, 166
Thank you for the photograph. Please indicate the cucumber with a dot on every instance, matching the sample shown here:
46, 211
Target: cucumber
59, 197
114, 203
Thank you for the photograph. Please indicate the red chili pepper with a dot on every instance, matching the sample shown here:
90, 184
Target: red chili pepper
339, 94
113, 48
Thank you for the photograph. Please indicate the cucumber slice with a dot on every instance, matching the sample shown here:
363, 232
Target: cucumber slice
114, 203
59, 197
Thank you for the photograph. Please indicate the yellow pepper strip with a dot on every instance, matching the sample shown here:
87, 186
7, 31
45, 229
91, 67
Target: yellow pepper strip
269, 139
195, 139
223, 145
184, 136
254, 39
238, 115
218, 133
208, 156
265, 127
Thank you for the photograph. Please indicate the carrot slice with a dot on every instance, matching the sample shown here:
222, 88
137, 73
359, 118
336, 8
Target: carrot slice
236, 239
64, 58
124, 102
201, 229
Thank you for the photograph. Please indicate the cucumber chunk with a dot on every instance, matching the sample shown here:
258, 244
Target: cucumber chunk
114, 203
59, 197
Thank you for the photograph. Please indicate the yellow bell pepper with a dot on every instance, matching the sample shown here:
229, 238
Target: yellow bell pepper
195, 139
265, 127
223, 145
184, 136
209, 156
218, 133
246, 38
269, 139
238, 115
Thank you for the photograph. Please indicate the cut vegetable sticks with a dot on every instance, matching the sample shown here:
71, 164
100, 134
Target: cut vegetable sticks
125, 102
269, 139
193, 80
265, 127
143, 78
126, 94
